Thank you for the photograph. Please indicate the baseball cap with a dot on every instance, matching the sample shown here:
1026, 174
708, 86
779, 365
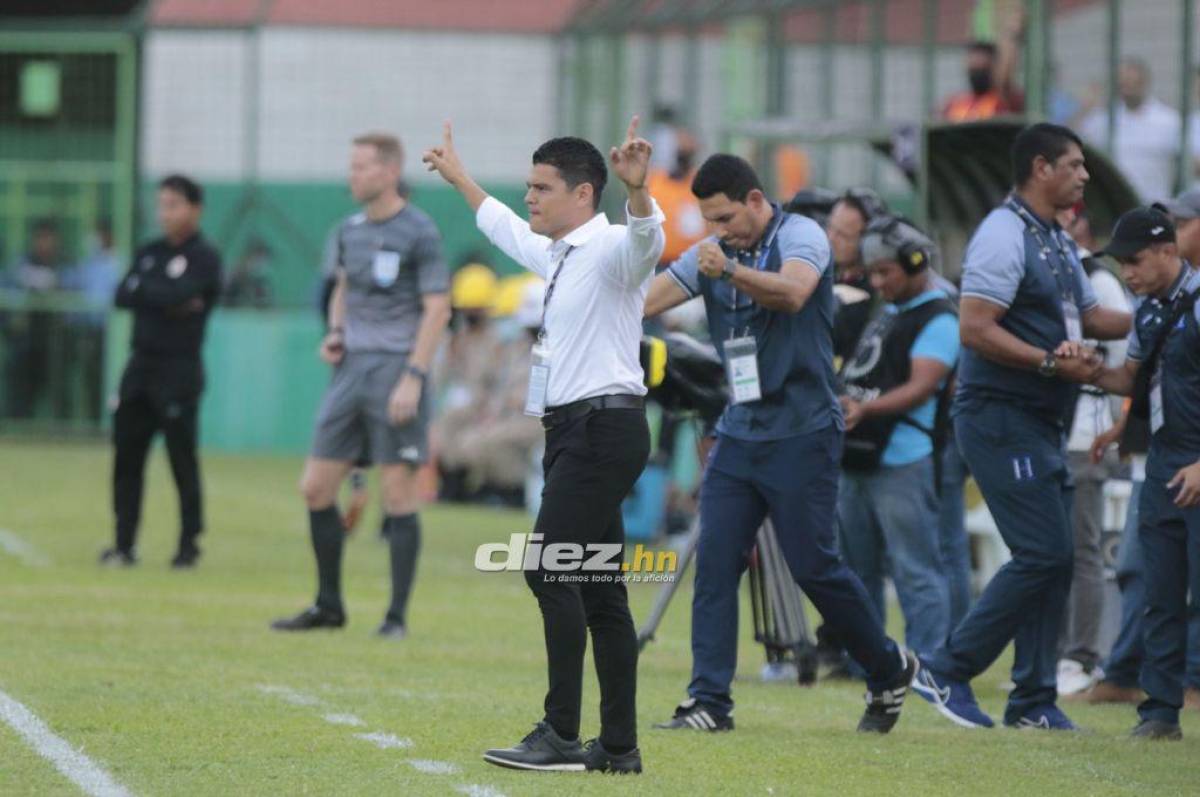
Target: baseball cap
1138, 229
1183, 207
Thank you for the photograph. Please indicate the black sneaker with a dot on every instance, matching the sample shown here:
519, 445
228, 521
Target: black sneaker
542, 750
598, 759
391, 630
186, 558
883, 708
1158, 731
311, 618
694, 716
115, 557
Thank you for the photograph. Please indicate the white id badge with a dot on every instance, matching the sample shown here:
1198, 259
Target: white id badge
1074, 326
539, 381
741, 366
1156, 404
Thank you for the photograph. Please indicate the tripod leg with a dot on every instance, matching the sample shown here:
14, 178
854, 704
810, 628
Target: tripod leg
667, 591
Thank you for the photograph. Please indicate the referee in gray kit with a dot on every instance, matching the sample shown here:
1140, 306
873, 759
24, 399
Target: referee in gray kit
386, 317
586, 382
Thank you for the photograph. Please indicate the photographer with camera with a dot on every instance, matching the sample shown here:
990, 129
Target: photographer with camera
894, 395
767, 282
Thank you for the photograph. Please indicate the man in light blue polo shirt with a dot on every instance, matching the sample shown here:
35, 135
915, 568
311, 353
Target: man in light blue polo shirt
894, 400
768, 289
1025, 302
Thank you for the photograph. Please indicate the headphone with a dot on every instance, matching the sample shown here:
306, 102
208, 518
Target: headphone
913, 251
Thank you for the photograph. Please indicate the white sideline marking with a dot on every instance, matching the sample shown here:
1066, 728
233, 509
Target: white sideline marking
433, 767
385, 741
289, 695
344, 719
85, 773
18, 548
475, 790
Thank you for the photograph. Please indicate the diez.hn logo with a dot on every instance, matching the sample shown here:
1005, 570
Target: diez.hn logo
528, 552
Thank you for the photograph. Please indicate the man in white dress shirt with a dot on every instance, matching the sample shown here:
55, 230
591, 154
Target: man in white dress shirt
586, 382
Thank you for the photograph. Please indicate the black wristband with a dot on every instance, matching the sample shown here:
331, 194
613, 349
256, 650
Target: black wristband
419, 373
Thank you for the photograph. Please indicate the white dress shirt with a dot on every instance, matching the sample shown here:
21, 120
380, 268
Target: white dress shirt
1146, 146
594, 320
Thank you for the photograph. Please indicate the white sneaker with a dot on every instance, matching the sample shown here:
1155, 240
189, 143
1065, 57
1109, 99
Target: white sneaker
1072, 678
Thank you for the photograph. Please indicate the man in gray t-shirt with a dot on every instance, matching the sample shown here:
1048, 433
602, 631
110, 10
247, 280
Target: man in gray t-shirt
386, 315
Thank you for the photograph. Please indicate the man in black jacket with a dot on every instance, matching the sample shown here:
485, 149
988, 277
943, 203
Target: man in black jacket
171, 287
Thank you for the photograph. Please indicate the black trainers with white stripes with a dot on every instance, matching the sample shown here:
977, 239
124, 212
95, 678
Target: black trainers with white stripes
690, 715
542, 750
883, 707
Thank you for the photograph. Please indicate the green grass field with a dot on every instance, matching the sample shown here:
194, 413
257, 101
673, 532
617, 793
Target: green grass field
158, 675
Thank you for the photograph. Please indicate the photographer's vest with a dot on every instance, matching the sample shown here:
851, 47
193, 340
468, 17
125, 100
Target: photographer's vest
883, 361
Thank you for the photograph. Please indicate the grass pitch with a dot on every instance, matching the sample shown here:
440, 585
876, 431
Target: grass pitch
173, 683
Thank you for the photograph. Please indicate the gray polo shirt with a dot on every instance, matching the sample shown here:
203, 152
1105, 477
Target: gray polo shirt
389, 266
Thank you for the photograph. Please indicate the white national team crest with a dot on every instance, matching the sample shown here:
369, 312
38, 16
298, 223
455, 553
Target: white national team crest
385, 268
176, 266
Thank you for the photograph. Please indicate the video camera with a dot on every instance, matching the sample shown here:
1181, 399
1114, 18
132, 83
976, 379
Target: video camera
685, 375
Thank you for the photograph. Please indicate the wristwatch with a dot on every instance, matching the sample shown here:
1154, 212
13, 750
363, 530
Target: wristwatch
419, 373
1049, 366
727, 271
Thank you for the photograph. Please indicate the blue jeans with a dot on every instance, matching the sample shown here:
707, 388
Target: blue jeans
1020, 464
889, 517
1170, 543
1124, 664
952, 530
795, 482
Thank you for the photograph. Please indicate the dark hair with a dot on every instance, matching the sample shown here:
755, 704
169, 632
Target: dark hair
1043, 139
866, 201
725, 174
982, 46
186, 187
577, 161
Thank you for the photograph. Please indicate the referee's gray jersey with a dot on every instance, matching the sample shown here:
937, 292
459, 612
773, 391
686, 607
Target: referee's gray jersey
389, 265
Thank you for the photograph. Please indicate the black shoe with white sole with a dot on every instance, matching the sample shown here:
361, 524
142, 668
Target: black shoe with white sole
543, 750
596, 758
1157, 730
883, 707
690, 715
116, 557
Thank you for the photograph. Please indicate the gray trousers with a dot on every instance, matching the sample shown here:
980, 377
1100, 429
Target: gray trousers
1081, 631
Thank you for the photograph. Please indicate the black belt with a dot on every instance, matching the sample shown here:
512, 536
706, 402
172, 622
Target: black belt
556, 416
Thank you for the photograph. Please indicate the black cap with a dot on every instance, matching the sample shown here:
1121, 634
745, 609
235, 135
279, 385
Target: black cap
1138, 229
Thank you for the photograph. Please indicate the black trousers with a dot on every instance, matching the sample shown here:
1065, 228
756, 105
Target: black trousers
140, 415
590, 465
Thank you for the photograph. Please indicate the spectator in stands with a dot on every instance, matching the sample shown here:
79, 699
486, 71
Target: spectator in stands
95, 280
28, 333
991, 70
672, 189
664, 136
1095, 413
1145, 142
249, 285
895, 402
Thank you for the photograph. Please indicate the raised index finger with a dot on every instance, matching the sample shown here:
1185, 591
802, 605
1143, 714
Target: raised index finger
631, 133
447, 135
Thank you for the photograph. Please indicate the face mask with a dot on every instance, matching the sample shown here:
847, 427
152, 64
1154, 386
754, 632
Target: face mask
980, 80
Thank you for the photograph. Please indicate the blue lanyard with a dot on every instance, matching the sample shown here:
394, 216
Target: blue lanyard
541, 335
759, 259
1035, 227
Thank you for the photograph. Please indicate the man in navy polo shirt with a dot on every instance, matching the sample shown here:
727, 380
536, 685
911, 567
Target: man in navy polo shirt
767, 284
1025, 301
1162, 372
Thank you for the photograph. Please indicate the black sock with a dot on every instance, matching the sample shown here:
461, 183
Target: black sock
328, 537
403, 533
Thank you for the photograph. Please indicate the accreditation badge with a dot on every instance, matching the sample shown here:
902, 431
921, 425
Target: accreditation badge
741, 368
539, 381
176, 266
385, 267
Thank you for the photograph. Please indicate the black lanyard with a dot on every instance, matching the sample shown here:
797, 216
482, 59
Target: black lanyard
758, 262
550, 292
1064, 281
